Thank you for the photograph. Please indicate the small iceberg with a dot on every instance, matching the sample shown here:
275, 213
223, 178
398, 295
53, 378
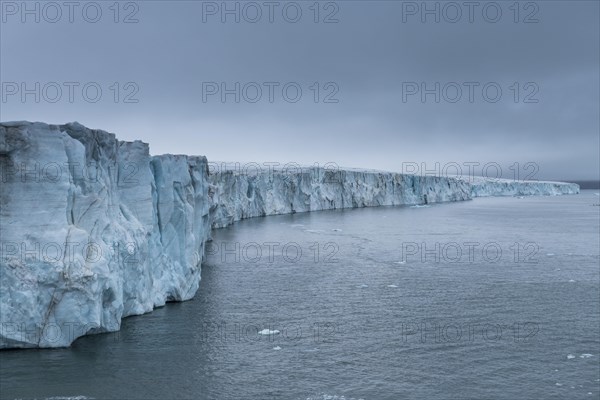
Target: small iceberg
419, 206
268, 332
276, 348
311, 350
586, 355
70, 398
399, 262
570, 356
363, 286
550, 254
392, 286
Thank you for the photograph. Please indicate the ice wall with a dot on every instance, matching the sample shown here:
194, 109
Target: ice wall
93, 229
482, 187
238, 194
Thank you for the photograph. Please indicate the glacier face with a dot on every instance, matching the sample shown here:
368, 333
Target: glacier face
485, 187
236, 194
93, 229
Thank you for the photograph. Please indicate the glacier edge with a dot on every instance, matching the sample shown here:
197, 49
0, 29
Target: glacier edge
93, 229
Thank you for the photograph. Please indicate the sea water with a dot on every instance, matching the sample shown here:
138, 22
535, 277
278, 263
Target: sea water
494, 298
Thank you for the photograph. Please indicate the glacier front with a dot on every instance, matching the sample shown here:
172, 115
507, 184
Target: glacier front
93, 229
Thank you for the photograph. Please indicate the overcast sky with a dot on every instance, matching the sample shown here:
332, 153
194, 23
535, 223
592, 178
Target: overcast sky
362, 80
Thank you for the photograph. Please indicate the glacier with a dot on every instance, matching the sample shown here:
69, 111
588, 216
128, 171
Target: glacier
486, 187
93, 229
236, 194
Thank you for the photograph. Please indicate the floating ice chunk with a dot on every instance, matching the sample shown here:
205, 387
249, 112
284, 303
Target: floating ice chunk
363, 286
558, 384
419, 206
570, 356
571, 280
550, 254
392, 286
69, 398
268, 332
313, 350
586, 355
276, 348
400, 262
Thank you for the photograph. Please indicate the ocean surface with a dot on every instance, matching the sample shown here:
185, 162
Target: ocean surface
495, 298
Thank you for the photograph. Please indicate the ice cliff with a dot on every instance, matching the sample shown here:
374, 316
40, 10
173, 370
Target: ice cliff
93, 229
481, 187
237, 193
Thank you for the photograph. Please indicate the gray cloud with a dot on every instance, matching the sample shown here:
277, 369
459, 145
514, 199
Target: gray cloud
368, 55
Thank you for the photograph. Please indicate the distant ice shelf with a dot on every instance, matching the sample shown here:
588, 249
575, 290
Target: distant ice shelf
93, 229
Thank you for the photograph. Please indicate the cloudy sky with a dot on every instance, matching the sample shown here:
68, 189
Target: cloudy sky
374, 84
